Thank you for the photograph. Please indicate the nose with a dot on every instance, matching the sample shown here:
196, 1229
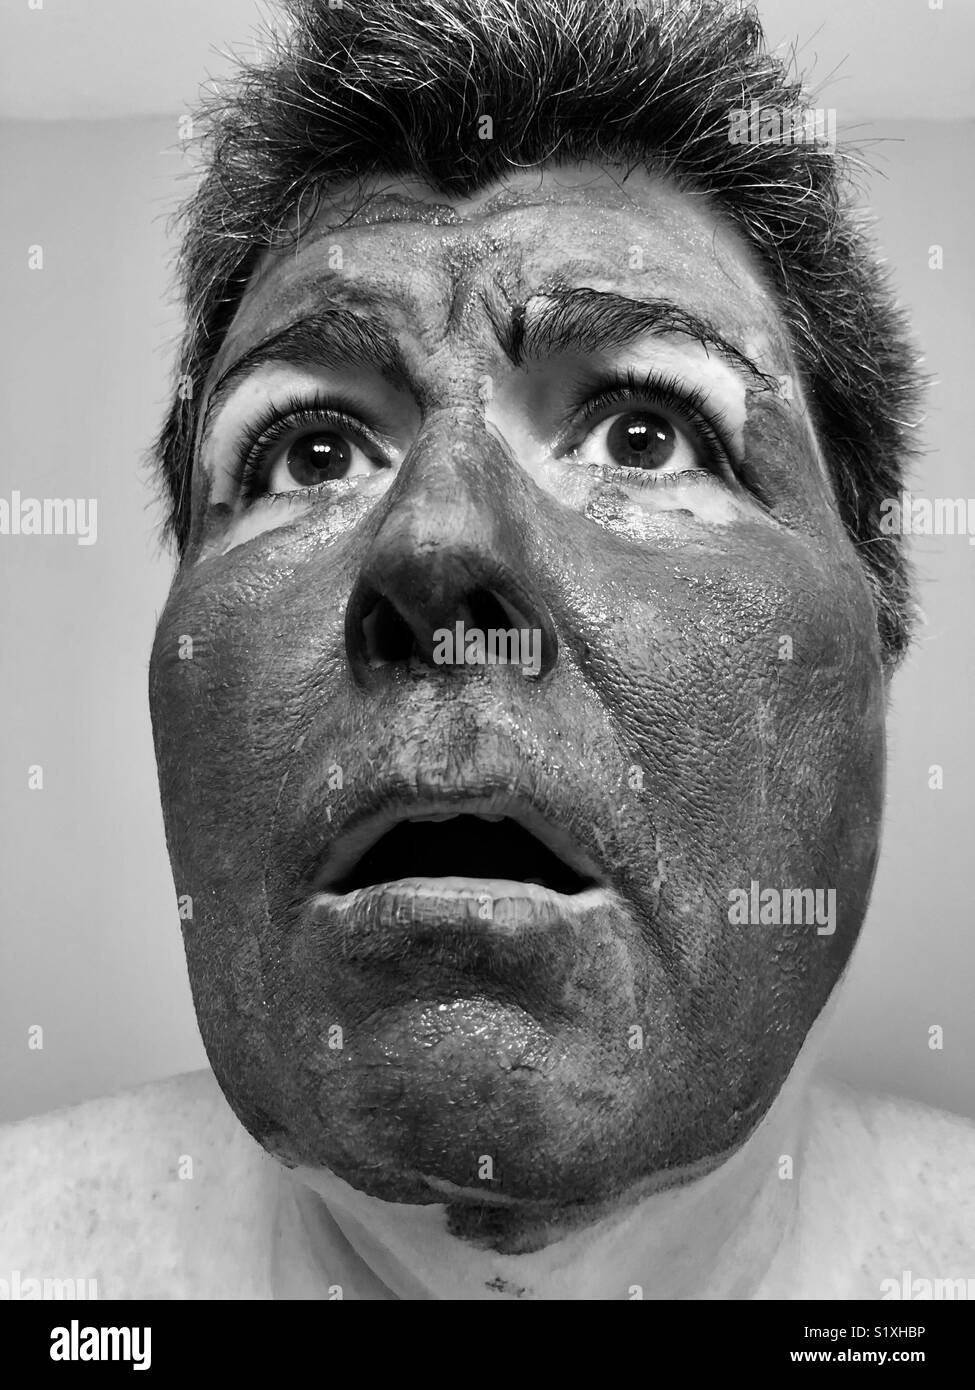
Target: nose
449, 548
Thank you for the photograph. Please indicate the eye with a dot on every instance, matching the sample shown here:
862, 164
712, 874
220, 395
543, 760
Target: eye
305, 445
642, 438
645, 429
322, 455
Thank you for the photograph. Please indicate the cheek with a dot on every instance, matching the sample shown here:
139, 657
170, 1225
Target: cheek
743, 674
742, 666
229, 695
751, 643
237, 664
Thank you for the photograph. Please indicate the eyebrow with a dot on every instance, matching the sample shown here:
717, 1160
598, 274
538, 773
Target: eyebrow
331, 338
567, 320
586, 321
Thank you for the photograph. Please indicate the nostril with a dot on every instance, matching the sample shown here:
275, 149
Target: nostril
397, 617
387, 637
489, 610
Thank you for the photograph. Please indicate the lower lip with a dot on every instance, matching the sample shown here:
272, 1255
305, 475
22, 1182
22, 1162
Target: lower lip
470, 921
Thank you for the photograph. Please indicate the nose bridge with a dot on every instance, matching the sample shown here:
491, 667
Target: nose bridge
454, 487
449, 546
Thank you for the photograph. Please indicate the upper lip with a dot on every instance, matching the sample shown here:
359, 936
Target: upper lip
369, 823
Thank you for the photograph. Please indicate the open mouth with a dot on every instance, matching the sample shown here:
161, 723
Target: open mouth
463, 846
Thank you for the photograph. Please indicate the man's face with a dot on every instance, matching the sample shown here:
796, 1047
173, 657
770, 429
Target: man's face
386, 994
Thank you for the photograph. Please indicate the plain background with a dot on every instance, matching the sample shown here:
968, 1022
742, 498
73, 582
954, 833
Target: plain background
90, 938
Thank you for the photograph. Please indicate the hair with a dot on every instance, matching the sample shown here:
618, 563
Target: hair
353, 88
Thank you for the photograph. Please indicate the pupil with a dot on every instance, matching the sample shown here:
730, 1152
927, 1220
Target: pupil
641, 441
317, 458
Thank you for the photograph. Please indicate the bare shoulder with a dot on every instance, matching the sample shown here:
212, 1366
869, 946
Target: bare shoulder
900, 1147
143, 1192
891, 1189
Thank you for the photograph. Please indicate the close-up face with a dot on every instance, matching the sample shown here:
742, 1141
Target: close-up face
463, 930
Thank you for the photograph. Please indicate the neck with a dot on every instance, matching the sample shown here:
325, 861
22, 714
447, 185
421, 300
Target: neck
725, 1235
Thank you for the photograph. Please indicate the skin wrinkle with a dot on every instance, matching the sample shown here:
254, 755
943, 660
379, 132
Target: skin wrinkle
581, 265
686, 65
668, 648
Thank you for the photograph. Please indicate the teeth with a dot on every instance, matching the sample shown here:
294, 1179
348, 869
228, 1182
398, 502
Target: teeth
493, 819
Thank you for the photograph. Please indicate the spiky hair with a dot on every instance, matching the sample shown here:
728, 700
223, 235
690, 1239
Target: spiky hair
390, 87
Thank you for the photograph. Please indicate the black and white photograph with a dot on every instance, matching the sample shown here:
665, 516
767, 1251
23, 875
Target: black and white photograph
487, 590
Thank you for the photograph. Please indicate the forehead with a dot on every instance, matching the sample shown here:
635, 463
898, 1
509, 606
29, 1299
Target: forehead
428, 262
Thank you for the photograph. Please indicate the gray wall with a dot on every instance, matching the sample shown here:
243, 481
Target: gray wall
90, 939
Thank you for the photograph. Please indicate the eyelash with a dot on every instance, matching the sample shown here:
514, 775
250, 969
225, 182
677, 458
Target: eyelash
275, 424
671, 393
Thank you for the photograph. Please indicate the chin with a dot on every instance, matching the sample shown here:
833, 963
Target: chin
475, 1105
